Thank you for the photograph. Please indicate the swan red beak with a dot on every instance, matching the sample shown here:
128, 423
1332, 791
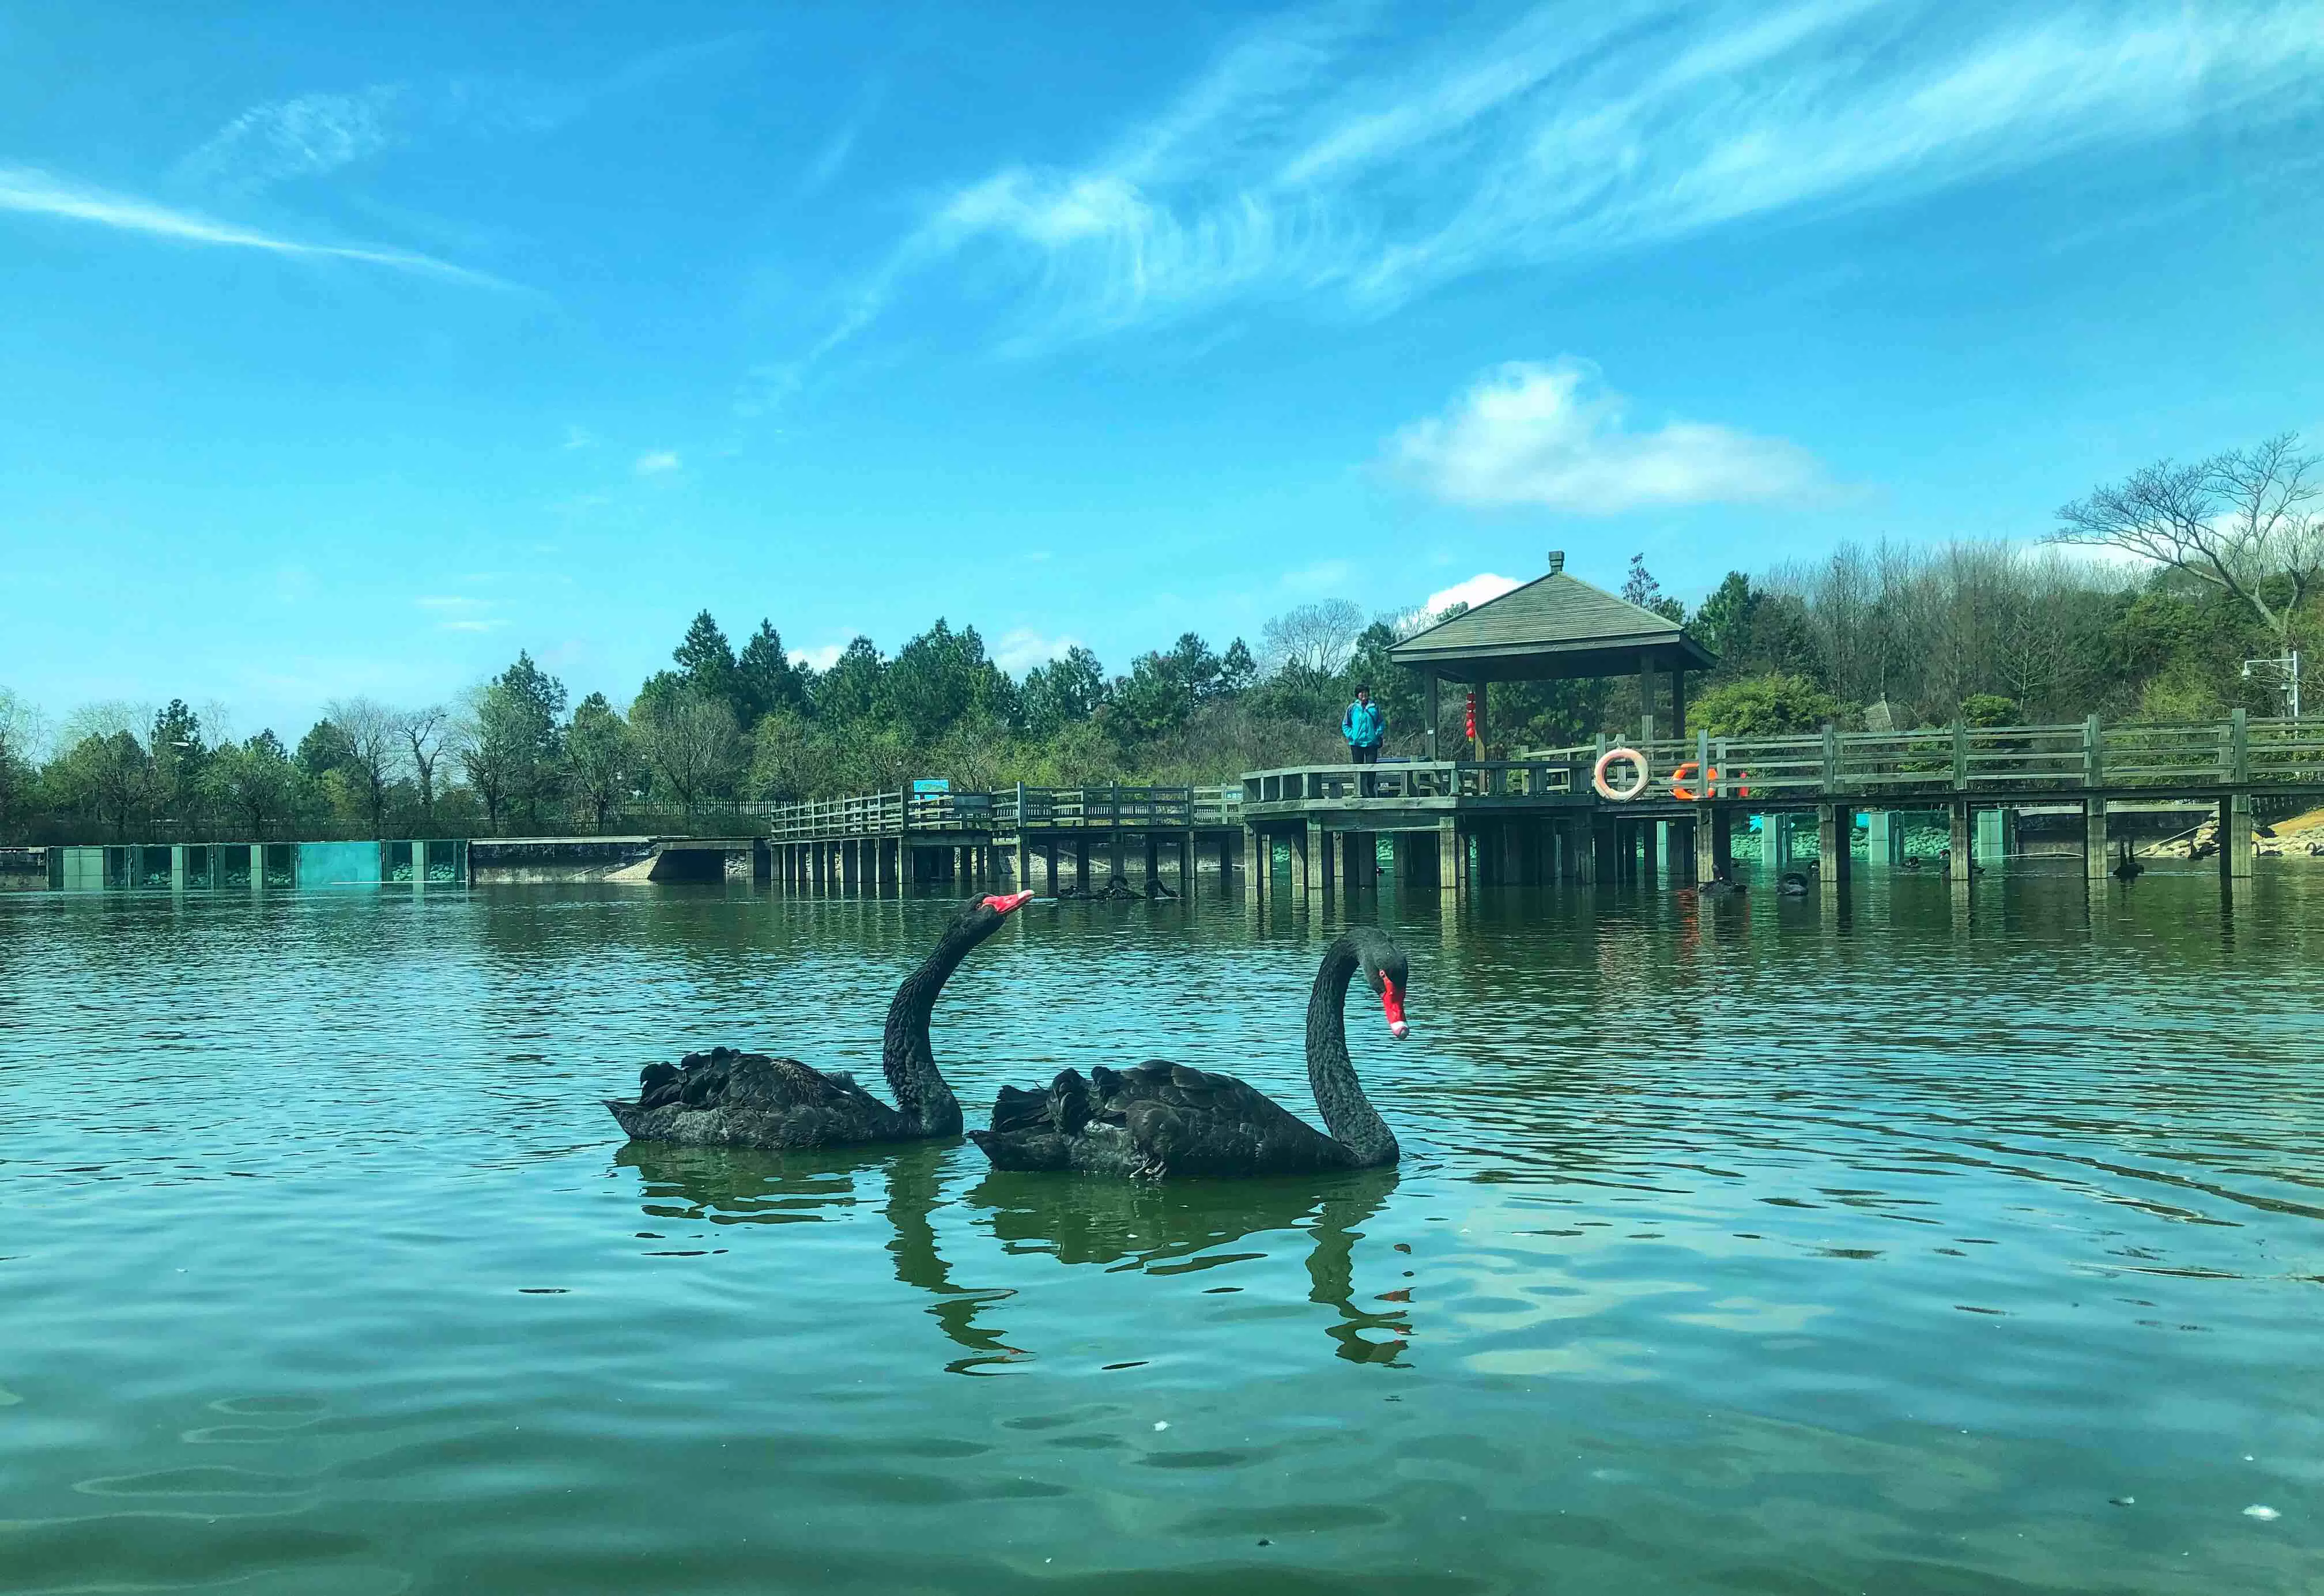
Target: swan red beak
1013, 900
1392, 1005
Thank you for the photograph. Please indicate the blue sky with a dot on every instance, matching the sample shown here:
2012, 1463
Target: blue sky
350, 349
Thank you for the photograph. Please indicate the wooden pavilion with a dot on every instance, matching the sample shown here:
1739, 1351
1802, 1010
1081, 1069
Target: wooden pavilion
1554, 628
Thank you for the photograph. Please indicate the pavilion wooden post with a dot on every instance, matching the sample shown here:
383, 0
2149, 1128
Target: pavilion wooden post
1707, 859
1434, 713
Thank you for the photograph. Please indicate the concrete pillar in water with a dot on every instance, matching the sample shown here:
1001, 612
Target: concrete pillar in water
1448, 857
1257, 861
2095, 863
1963, 842
1302, 877
1996, 830
1879, 837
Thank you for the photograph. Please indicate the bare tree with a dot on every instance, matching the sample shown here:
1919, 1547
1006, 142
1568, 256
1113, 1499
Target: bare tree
690, 741
1318, 637
428, 734
374, 734
2239, 521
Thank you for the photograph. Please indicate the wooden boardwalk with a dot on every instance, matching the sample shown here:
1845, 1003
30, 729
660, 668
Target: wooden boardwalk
1539, 818
883, 840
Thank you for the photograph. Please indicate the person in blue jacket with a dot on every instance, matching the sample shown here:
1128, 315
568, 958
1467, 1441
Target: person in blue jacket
1365, 728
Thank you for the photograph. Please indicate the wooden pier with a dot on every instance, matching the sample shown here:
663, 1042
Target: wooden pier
1539, 818
1017, 836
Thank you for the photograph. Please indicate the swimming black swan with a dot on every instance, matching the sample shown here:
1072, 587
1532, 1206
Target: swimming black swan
1163, 1119
2127, 867
1720, 885
1793, 883
730, 1099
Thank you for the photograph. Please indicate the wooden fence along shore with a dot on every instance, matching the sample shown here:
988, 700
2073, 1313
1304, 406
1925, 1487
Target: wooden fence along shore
1536, 818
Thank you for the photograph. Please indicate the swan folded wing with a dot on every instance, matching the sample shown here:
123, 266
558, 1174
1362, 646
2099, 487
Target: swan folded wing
1192, 1122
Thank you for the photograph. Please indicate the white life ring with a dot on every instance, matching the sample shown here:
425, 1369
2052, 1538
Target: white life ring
1637, 761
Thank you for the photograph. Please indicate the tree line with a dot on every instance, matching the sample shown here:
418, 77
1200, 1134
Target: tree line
2208, 582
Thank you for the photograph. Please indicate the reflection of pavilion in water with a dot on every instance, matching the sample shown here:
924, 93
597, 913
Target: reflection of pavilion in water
1078, 1221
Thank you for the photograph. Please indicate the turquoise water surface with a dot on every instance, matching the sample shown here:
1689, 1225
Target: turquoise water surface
1957, 1245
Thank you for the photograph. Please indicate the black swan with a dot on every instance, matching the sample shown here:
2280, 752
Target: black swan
1162, 1119
1793, 884
724, 1098
2127, 867
1720, 885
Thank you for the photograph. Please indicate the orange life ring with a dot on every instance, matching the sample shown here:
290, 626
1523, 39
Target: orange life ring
1636, 761
1688, 768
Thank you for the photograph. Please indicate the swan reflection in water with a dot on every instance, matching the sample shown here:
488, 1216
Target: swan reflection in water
1160, 1229
1170, 1228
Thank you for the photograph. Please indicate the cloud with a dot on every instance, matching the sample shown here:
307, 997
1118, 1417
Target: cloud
22, 188
459, 613
1021, 650
579, 438
1480, 588
306, 136
1549, 436
1325, 575
818, 658
1326, 159
655, 461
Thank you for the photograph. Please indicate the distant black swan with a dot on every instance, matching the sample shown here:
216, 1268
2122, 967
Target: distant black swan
2127, 867
730, 1099
1163, 1119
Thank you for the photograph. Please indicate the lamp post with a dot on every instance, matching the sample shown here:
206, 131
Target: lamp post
2286, 669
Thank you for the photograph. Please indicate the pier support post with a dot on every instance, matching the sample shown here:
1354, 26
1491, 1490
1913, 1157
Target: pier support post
2235, 847
2095, 865
1257, 860
1081, 862
1153, 862
1113, 854
1679, 849
1706, 829
1448, 856
1226, 861
1958, 866
1303, 878
1835, 829
1320, 843
1605, 857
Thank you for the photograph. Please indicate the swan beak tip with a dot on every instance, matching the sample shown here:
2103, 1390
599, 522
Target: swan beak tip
1398, 1030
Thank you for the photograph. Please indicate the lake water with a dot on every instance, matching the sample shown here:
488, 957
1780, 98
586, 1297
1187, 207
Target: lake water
1961, 1246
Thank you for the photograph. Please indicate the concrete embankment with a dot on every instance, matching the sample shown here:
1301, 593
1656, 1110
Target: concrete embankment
521, 860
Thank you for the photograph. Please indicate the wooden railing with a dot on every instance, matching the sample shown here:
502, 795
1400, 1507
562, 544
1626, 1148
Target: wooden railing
1112, 808
2239, 752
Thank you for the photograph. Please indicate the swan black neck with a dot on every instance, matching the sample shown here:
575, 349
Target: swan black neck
1347, 1113
906, 1058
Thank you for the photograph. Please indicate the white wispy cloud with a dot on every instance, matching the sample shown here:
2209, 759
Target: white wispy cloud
577, 436
1319, 159
37, 193
1020, 650
657, 462
1480, 588
1325, 575
307, 135
822, 657
1552, 436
